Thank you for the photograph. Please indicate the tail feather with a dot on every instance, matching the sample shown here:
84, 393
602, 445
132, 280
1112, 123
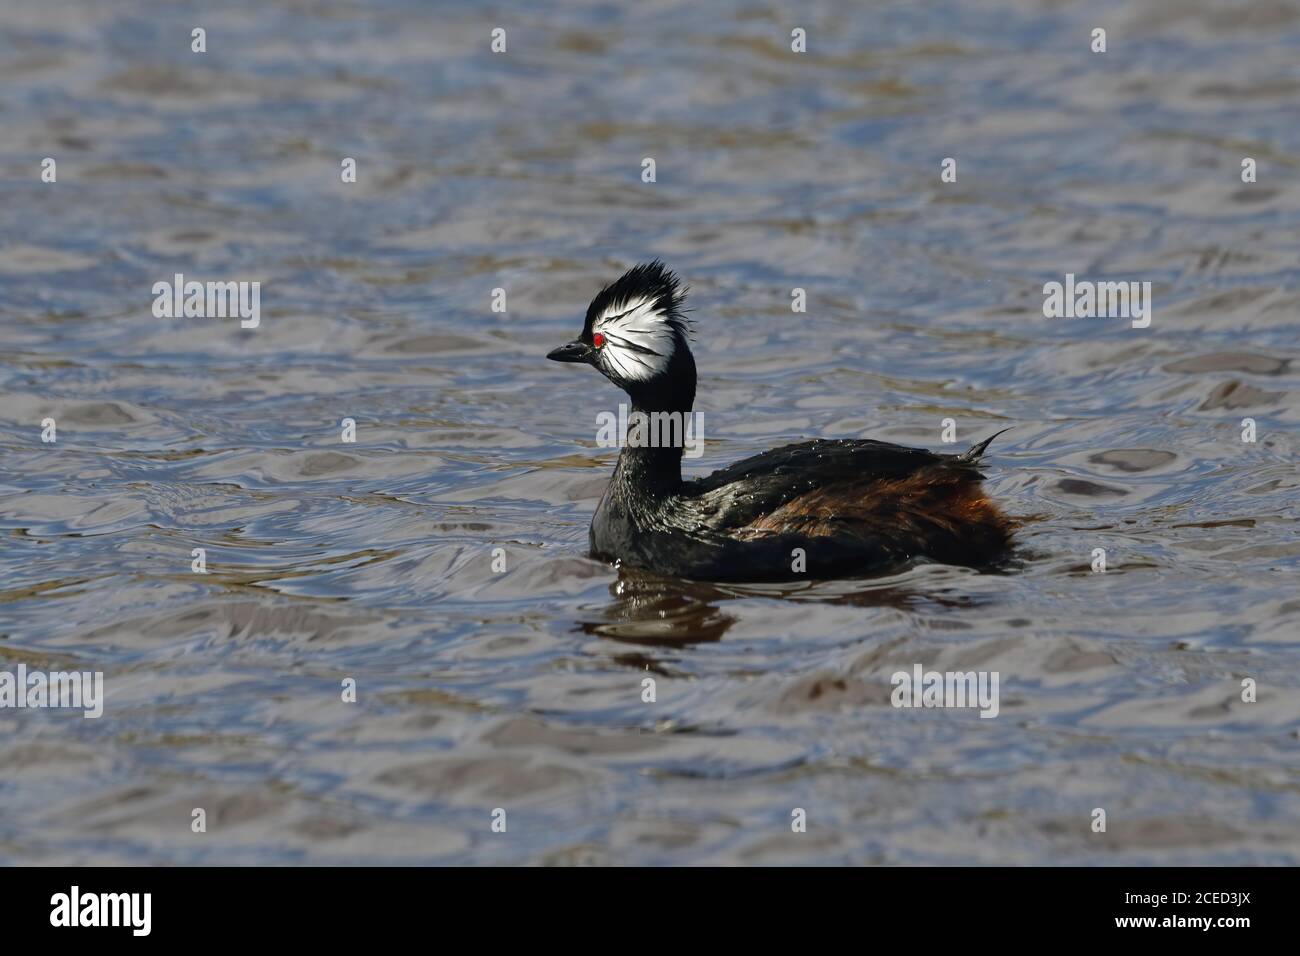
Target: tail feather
971, 456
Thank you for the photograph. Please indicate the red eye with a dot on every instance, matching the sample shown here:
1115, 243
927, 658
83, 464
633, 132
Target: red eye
597, 340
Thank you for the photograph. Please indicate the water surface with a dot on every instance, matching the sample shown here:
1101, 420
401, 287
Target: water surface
522, 171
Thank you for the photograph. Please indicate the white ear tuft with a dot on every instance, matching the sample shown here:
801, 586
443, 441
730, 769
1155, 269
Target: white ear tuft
640, 339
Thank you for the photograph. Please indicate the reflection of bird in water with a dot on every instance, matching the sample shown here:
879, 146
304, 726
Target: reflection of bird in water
657, 611
651, 609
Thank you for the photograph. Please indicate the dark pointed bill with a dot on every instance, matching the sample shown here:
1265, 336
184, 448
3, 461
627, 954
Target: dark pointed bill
571, 352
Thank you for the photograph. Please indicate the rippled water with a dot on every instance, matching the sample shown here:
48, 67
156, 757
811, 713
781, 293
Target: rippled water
523, 690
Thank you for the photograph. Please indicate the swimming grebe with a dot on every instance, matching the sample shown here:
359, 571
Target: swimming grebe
827, 508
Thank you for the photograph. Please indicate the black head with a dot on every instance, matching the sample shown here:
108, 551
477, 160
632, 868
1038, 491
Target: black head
636, 335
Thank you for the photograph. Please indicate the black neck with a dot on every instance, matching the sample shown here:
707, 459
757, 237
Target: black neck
658, 471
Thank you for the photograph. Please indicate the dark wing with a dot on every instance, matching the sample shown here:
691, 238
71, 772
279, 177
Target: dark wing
759, 486
847, 502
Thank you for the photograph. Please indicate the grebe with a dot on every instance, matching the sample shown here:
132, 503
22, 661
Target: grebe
827, 508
